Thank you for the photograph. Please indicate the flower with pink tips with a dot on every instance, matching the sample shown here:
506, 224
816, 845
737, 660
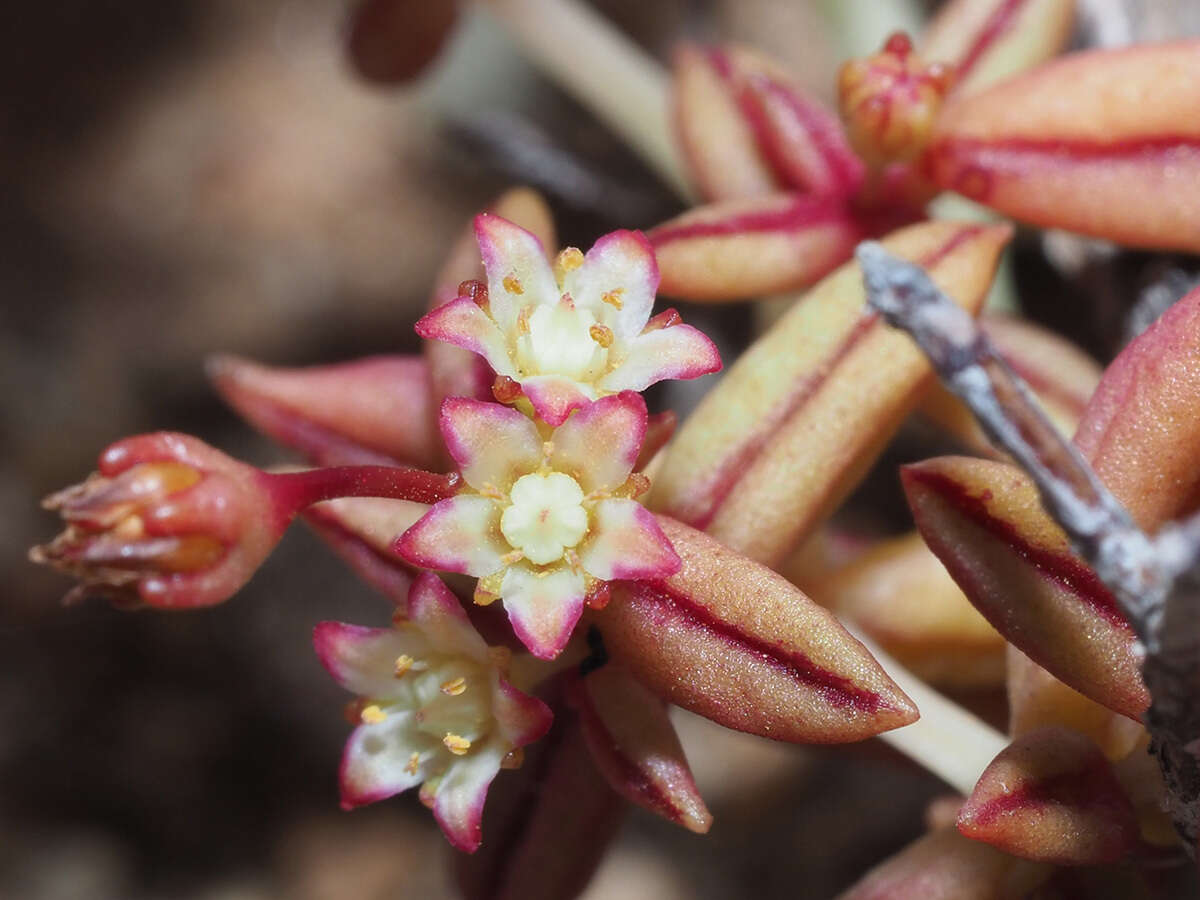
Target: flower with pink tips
549, 515
436, 710
574, 332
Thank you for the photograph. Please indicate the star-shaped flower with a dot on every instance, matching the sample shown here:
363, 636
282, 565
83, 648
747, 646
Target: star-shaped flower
575, 332
436, 710
549, 514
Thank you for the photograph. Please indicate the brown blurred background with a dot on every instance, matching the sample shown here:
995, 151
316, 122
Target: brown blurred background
186, 177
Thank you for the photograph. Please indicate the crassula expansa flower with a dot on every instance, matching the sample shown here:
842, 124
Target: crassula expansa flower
435, 710
549, 514
572, 333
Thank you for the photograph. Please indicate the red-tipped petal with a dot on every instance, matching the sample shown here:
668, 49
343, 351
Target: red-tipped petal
369, 411
988, 41
735, 642
636, 747
678, 351
543, 607
518, 272
1051, 796
599, 445
554, 397
742, 249
492, 444
461, 534
1105, 143
464, 324
626, 542
800, 416
620, 263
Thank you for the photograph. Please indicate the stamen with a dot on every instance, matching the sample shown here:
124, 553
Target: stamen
414, 764
372, 714
613, 298
456, 744
404, 662
568, 260
523, 320
505, 389
490, 491
476, 290
484, 597
512, 285
513, 556
601, 334
455, 686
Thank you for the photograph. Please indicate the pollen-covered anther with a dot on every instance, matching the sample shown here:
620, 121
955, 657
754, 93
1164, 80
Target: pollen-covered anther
454, 687
635, 485
403, 664
602, 335
484, 596
456, 743
613, 298
474, 289
889, 101
414, 764
505, 389
513, 285
568, 260
372, 714
523, 320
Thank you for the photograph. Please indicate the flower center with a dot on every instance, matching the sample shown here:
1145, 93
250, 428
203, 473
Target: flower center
561, 342
546, 516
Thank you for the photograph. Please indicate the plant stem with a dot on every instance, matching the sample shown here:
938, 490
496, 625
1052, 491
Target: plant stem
947, 740
605, 71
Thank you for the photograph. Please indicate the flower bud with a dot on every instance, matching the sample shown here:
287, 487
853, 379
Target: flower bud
167, 521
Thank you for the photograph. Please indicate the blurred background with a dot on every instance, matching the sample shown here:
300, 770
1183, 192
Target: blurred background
188, 177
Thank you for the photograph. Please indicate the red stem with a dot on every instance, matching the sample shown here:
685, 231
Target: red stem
293, 491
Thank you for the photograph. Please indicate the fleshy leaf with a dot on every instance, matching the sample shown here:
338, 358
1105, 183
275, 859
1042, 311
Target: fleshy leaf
1051, 796
733, 641
988, 41
634, 744
374, 410
782, 438
741, 249
1104, 143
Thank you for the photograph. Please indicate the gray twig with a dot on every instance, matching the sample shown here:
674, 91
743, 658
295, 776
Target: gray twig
1156, 580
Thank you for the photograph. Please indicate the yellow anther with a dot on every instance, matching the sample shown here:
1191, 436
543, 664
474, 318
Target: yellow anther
601, 334
512, 285
613, 298
454, 686
484, 597
570, 259
404, 662
414, 763
523, 320
513, 556
456, 744
372, 714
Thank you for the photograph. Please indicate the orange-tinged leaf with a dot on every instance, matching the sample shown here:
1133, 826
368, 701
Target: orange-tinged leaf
370, 411
984, 521
801, 415
901, 595
1051, 796
736, 642
743, 249
944, 865
1036, 699
988, 41
717, 142
634, 744
1105, 143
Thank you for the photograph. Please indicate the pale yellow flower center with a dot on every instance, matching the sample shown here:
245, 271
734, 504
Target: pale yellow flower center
561, 342
546, 516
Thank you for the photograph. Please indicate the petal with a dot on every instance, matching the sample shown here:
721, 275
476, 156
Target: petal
361, 659
461, 322
554, 397
458, 803
521, 719
626, 542
492, 444
622, 266
511, 253
599, 445
442, 619
376, 762
679, 351
543, 607
456, 535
